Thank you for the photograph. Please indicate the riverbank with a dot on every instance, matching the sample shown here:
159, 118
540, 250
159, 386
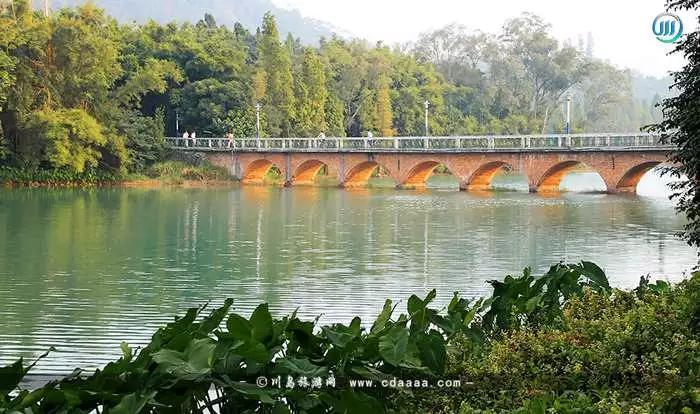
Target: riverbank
163, 174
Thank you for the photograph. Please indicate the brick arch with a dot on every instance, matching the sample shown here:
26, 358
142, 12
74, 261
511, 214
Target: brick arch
630, 179
306, 173
551, 179
257, 170
359, 175
420, 173
483, 176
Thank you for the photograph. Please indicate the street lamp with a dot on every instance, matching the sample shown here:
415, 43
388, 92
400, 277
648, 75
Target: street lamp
257, 118
177, 123
426, 104
568, 114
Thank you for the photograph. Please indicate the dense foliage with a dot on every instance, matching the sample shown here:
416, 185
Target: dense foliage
178, 171
681, 126
79, 90
564, 341
59, 177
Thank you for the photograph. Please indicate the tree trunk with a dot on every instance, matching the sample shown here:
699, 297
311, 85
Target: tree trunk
546, 119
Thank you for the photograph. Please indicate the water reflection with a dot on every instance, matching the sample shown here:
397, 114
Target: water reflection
84, 270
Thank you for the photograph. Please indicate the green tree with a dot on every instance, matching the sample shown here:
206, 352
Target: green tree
549, 69
681, 128
82, 58
275, 62
385, 117
311, 95
68, 138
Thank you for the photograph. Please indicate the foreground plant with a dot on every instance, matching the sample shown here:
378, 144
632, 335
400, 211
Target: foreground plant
214, 363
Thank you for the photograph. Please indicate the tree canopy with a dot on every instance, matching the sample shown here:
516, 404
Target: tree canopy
681, 126
62, 75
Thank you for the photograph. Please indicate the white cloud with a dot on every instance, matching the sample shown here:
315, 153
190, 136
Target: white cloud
621, 28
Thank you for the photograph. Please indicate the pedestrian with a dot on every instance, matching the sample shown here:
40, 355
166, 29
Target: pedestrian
186, 136
229, 136
193, 137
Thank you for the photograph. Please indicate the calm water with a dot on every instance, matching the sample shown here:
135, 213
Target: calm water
82, 270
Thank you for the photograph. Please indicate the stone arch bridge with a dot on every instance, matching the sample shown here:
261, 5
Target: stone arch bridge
620, 159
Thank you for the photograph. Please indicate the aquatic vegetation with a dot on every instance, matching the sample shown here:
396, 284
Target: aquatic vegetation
562, 342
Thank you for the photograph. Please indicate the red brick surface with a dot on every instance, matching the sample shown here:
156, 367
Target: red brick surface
621, 170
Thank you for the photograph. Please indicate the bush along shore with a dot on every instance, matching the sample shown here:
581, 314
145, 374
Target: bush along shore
162, 173
565, 342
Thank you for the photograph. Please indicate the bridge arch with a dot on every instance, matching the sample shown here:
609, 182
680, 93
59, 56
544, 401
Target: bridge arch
482, 178
306, 173
257, 171
551, 180
630, 179
359, 175
421, 172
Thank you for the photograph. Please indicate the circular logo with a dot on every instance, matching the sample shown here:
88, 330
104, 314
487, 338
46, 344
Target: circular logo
667, 27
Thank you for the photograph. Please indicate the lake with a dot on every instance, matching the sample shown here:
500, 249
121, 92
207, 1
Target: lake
83, 270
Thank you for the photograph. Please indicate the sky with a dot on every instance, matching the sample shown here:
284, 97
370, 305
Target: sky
621, 29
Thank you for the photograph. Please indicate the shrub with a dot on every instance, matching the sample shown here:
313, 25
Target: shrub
178, 171
60, 177
614, 352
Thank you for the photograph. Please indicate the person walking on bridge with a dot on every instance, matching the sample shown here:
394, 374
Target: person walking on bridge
186, 137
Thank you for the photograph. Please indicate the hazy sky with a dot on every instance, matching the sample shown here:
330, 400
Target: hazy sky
621, 28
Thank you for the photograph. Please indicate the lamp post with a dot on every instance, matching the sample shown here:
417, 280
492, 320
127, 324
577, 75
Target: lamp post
257, 118
177, 123
568, 114
426, 104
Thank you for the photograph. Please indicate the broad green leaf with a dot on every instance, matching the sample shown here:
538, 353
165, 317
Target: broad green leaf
595, 274
239, 327
367, 372
340, 335
300, 366
11, 376
189, 365
132, 403
213, 321
261, 323
432, 351
253, 350
263, 395
383, 317
469, 317
393, 345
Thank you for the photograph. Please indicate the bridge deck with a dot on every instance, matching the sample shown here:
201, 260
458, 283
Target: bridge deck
463, 144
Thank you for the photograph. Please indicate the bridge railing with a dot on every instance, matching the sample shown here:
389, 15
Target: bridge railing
417, 144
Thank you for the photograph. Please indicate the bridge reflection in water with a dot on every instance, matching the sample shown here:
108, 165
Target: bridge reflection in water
620, 159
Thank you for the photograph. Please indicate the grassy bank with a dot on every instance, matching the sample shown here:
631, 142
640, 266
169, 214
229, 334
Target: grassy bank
171, 173
178, 172
565, 342
37, 177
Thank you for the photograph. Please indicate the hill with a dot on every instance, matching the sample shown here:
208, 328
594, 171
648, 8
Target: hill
248, 12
